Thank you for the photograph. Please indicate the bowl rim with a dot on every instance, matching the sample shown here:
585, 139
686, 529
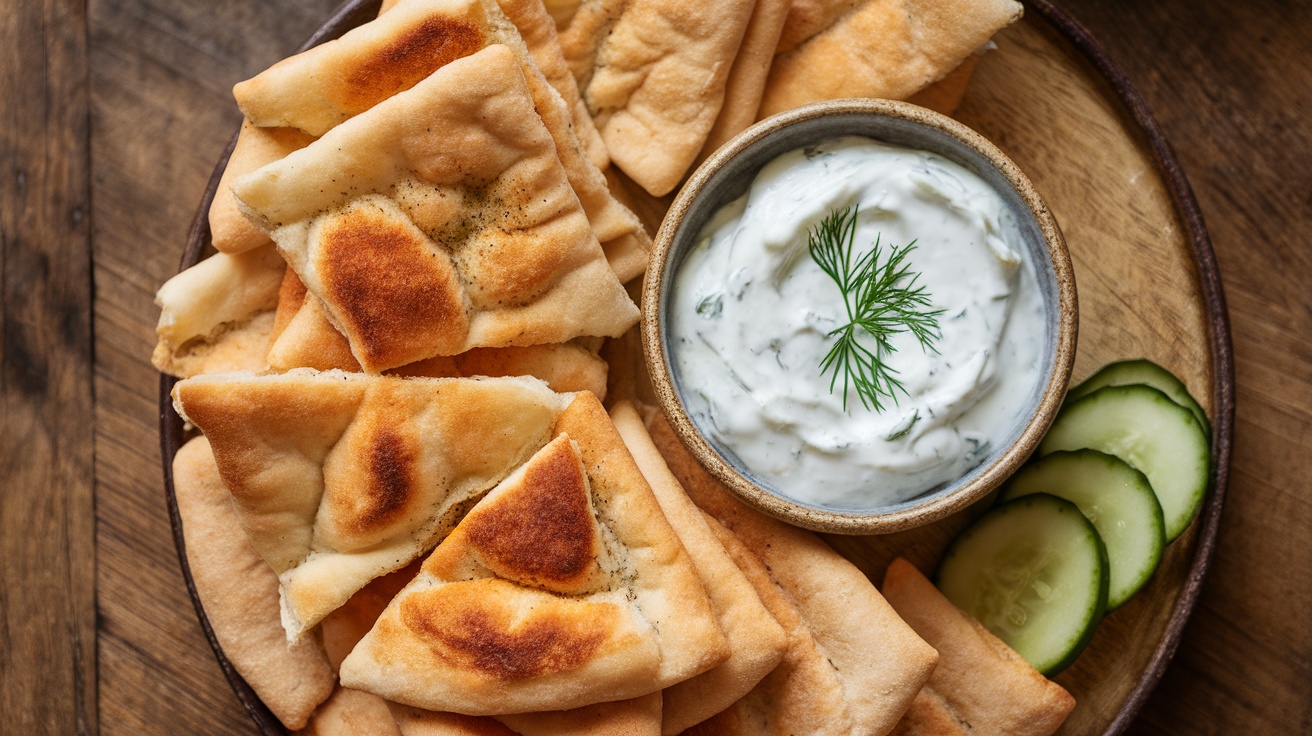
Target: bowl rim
986, 478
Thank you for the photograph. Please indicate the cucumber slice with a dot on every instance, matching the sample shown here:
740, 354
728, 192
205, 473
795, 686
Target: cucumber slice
1143, 427
1126, 372
1034, 572
1116, 498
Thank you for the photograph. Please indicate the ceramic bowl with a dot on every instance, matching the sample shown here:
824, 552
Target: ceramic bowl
727, 174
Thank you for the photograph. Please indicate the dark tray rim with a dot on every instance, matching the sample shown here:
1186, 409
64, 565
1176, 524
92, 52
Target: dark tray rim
355, 12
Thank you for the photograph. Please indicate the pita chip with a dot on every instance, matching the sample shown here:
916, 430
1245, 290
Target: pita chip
352, 713
327, 85
806, 18
421, 245
218, 314
341, 477
230, 231
751, 68
653, 73
756, 641
884, 48
880, 660
239, 593
565, 586
986, 685
303, 337
805, 693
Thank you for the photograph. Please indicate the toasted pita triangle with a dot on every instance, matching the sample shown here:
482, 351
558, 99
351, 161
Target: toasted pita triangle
304, 338
218, 314
653, 75
980, 680
341, 477
237, 589
878, 658
421, 244
751, 68
756, 641
230, 230
564, 586
324, 86
344, 628
884, 48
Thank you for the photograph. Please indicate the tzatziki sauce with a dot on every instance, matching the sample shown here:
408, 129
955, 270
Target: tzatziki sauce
750, 315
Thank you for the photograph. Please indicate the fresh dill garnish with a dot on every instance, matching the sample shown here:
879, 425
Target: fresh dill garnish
882, 300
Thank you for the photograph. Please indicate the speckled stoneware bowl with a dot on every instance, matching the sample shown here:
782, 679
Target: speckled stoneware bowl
727, 174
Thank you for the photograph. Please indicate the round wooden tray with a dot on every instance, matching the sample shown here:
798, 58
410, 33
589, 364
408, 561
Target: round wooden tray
1052, 100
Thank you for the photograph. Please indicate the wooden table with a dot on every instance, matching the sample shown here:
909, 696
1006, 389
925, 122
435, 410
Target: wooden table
113, 114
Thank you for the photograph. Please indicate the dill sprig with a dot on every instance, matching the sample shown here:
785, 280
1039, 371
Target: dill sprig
882, 300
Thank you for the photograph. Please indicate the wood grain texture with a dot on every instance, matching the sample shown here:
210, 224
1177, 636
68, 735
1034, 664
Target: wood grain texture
47, 551
161, 79
1232, 87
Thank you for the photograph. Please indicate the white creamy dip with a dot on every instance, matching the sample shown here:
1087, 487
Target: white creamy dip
751, 312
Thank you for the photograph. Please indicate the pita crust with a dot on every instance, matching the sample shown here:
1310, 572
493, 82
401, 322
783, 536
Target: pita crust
806, 18
756, 641
352, 713
653, 75
805, 693
340, 477
218, 313
237, 589
849, 619
306, 339
230, 231
594, 601
635, 717
929, 715
324, 86
419, 722
751, 67
885, 48
478, 232
539, 32
982, 681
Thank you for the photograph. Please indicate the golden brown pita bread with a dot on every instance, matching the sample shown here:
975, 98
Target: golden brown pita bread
564, 586
420, 245
880, 661
756, 641
342, 477
751, 67
653, 75
304, 338
884, 48
982, 681
539, 31
805, 693
230, 231
326, 85
352, 713
218, 314
806, 18
929, 715
419, 722
239, 593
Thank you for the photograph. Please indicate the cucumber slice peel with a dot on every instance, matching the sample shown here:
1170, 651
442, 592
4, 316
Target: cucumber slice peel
1143, 427
1127, 372
1034, 572
1116, 498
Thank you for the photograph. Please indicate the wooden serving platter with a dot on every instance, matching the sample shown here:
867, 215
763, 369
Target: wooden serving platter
1050, 98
